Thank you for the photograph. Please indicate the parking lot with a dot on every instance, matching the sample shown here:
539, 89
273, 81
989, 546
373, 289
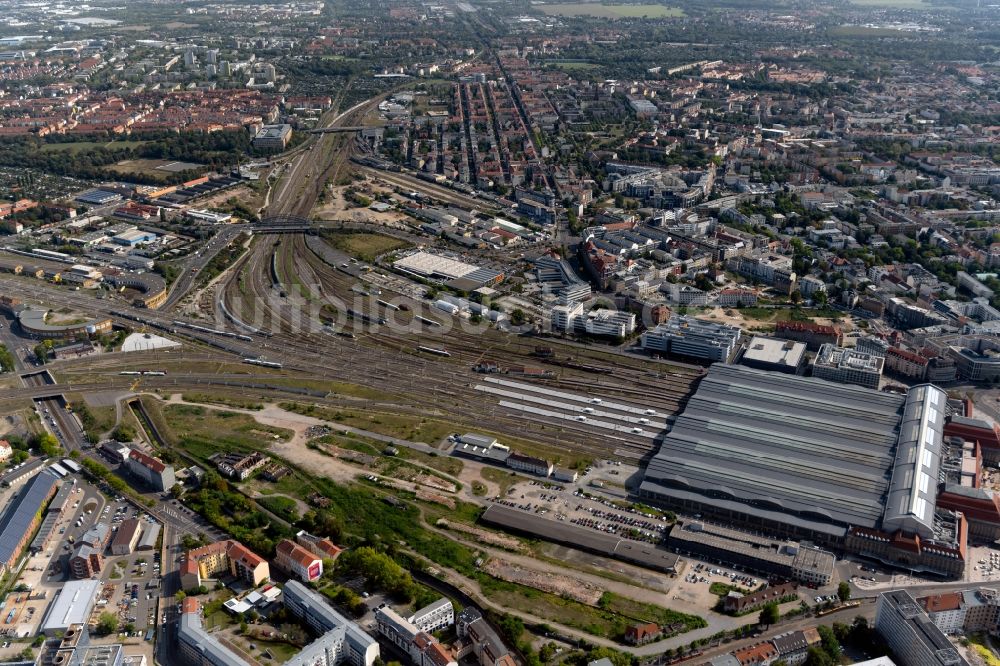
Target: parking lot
578, 505
122, 574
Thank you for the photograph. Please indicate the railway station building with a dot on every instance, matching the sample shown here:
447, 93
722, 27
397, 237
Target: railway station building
838, 466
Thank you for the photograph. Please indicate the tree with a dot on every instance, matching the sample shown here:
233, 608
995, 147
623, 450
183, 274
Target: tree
47, 444
180, 596
769, 614
511, 626
123, 432
107, 623
829, 643
796, 296
817, 657
844, 590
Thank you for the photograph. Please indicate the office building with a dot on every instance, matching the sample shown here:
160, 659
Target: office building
564, 317
910, 634
847, 366
694, 338
611, 323
273, 137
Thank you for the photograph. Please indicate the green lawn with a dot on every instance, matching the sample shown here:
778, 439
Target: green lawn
207, 431
600, 10
572, 65
82, 146
364, 246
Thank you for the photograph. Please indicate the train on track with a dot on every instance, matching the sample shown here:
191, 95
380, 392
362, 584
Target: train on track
146, 373
213, 331
361, 316
246, 327
425, 320
432, 350
261, 362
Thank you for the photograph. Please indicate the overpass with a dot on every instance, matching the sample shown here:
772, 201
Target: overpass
283, 224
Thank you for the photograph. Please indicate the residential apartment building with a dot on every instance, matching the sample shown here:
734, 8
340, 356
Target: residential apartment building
695, 338
318, 546
223, 557
946, 611
341, 640
422, 648
478, 640
85, 561
793, 647
906, 364
814, 335
731, 298
298, 561
434, 616
911, 635
774, 270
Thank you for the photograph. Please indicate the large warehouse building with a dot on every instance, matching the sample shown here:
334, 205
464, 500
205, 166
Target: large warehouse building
843, 466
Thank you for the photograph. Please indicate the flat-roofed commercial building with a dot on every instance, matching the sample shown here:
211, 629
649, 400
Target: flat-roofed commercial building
273, 137
694, 338
767, 556
774, 354
847, 366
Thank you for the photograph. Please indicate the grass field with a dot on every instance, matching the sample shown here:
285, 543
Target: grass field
146, 167
82, 146
571, 65
600, 10
239, 402
365, 246
206, 431
403, 426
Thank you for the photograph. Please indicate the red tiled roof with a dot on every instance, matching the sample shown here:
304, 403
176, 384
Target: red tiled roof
146, 461
295, 552
942, 602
